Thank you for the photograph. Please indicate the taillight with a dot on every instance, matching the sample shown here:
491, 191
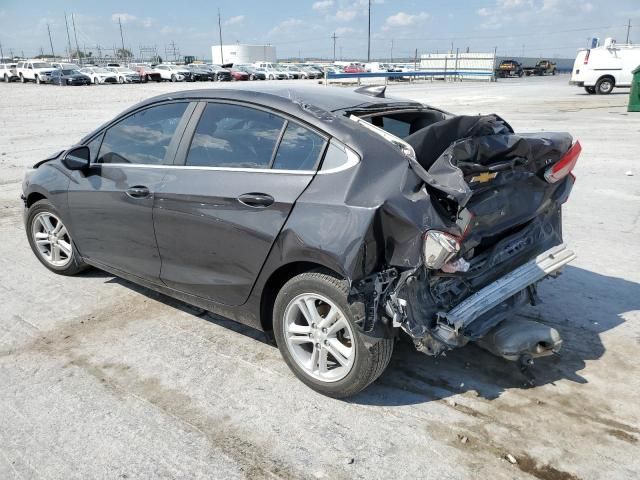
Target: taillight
586, 57
563, 167
439, 248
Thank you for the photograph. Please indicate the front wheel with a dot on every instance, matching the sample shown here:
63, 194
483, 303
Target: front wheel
174, 78
317, 332
50, 240
120, 80
590, 90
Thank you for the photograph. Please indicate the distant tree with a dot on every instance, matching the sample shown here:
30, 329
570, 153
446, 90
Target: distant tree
124, 53
80, 54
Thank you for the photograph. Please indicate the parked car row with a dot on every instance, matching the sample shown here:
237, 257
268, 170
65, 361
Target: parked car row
60, 73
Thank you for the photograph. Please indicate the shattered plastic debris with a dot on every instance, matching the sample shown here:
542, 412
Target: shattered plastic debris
459, 265
511, 458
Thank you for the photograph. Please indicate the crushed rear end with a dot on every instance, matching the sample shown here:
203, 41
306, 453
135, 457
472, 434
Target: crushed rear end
499, 195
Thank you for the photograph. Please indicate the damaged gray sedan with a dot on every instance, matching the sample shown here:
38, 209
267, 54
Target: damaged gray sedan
338, 220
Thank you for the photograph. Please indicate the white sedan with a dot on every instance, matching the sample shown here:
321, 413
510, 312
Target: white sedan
99, 75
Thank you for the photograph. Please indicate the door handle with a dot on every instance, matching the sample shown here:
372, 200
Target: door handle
256, 200
138, 191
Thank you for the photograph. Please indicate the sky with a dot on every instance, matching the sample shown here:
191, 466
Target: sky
540, 28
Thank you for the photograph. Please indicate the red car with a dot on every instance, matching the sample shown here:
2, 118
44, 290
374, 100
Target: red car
239, 75
354, 69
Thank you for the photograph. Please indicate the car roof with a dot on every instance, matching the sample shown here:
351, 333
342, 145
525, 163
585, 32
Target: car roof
326, 98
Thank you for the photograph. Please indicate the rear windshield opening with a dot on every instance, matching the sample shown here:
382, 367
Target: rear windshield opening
403, 124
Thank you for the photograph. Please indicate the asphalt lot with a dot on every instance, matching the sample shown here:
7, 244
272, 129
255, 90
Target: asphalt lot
100, 378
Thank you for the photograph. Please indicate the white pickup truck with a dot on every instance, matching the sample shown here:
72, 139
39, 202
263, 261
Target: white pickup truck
34, 70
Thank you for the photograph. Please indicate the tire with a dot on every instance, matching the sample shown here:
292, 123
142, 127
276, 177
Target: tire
173, 77
6, 78
605, 85
590, 90
270, 77
22, 79
68, 264
95, 80
356, 370
120, 80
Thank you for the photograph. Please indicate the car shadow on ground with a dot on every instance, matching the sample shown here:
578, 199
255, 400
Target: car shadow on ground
581, 305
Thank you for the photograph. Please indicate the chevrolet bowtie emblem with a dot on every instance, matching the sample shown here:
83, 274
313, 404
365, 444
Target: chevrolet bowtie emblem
484, 177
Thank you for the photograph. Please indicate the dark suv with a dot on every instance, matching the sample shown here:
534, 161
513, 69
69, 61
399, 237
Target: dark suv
335, 219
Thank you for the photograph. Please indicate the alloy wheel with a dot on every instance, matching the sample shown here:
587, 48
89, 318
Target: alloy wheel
319, 337
51, 239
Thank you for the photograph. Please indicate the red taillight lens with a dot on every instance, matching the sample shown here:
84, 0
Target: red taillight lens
586, 57
564, 166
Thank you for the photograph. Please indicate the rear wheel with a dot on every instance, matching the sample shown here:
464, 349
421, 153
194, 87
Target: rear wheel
50, 240
121, 80
317, 332
6, 78
590, 90
22, 79
605, 85
37, 80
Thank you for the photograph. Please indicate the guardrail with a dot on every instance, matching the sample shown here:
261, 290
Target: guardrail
455, 74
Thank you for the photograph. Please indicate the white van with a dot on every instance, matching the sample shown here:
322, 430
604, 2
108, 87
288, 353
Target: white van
601, 69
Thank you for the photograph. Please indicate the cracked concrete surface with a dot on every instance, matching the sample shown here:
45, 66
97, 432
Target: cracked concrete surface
104, 379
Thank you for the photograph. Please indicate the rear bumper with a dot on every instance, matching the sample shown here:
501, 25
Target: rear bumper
505, 287
576, 83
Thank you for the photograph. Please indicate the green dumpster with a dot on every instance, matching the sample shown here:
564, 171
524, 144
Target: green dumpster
634, 97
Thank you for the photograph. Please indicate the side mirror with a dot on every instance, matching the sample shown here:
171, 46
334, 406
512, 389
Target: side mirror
77, 158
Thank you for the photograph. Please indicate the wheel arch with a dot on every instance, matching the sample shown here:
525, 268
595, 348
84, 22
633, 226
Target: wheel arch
34, 197
276, 281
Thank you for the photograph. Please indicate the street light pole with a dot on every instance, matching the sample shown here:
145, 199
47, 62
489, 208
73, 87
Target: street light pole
368, 37
220, 33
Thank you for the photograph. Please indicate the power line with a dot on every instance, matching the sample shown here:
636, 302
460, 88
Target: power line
66, 23
73, 22
50, 41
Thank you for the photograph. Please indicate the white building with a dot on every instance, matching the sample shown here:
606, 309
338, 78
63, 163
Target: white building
238, 53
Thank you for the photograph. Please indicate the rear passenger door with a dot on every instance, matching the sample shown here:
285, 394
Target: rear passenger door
220, 210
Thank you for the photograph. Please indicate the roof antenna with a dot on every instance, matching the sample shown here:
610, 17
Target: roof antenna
372, 90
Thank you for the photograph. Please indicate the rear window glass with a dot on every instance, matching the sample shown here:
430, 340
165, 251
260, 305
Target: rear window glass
234, 136
299, 149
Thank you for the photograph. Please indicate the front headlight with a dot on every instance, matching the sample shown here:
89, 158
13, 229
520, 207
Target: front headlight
439, 248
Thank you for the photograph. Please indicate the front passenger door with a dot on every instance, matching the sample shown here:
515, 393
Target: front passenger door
112, 204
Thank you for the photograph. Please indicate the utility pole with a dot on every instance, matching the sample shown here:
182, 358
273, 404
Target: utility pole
334, 46
1, 53
66, 23
391, 51
75, 35
50, 41
121, 38
628, 30
368, 36
220, 33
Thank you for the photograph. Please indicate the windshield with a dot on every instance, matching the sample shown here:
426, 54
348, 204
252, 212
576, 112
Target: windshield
42, 65
70, 72
101, 70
